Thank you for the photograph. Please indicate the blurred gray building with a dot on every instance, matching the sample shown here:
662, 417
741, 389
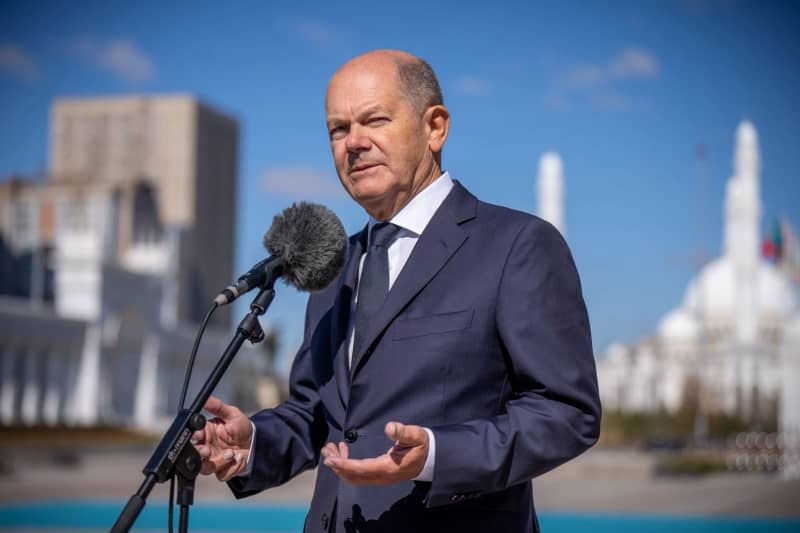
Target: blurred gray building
164, 163
109, 264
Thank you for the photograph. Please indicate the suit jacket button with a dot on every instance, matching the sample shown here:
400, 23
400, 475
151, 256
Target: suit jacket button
350, 436
324, 521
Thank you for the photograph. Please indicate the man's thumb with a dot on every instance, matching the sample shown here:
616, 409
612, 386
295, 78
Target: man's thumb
218, 408
406, 434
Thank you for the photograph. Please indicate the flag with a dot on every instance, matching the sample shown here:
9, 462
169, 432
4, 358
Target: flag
772, 245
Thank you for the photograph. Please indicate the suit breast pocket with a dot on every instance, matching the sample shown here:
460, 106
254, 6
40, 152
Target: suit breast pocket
432, 324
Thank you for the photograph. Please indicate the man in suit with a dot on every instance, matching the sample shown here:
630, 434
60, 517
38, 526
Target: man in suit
447, 365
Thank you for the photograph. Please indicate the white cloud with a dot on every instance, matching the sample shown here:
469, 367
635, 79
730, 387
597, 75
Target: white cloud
120, 57
18, 63
585, 76
628, 64
318, 33
302, 183
635, 63
610, 101
598, 85
556, 102
472, 85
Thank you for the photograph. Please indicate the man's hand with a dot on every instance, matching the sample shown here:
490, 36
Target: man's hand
224, 444
402, 462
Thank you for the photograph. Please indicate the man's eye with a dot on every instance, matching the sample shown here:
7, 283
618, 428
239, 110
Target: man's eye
377, 121
338, 132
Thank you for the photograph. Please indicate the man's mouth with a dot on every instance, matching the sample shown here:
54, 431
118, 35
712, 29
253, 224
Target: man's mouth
362, 167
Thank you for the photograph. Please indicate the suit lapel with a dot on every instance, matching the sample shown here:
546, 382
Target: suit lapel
438, 242
341, 316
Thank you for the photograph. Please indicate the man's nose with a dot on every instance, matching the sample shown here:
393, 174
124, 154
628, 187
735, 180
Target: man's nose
357, 140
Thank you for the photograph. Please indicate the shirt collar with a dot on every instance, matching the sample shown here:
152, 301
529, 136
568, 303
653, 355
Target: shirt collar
417, 213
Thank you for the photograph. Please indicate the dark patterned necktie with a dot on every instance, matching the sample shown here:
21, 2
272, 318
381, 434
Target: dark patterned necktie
374, 283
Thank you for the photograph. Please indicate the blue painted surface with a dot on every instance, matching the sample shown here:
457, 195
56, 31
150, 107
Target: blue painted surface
91, 516
72, 515
595, 523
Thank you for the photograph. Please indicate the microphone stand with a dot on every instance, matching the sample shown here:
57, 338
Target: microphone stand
175, 454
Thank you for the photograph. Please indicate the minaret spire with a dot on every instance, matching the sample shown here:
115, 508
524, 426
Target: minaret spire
550, 190
743, 199
742, 222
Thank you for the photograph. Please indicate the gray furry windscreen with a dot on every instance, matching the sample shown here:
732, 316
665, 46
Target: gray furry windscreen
312, 242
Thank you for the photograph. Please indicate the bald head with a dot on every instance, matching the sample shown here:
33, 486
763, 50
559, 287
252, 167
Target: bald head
414, 76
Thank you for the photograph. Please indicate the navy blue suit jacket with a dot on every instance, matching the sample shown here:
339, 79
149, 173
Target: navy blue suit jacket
484, 339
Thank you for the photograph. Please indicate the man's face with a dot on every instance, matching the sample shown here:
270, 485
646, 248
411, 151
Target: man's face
379, 142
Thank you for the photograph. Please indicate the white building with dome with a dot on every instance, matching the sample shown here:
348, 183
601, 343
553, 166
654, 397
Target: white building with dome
736, 333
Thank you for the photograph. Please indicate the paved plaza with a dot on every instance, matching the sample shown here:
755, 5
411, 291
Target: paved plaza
599, 481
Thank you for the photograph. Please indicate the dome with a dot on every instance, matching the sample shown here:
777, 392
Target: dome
617, 355
775, 294
617, 352
678, 325
713, 291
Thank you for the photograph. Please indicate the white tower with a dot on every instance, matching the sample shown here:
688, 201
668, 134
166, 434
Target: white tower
742, 224
550, 190
743, 200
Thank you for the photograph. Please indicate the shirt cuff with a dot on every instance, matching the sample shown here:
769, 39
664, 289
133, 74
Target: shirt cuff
427, 470
248, 467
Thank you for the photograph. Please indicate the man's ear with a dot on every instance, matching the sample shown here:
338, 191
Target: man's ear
437, 123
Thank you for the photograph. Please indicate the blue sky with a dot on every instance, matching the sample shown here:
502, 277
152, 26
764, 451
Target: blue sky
624, 92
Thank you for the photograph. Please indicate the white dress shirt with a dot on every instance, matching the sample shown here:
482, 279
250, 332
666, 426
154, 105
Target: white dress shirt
412, 221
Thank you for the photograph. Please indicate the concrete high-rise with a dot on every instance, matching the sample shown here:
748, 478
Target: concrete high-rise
114, 259
171, 163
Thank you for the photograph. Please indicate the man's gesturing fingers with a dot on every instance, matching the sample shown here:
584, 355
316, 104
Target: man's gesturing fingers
374, 471
406, 435
220, 409
233, 465
403, 461
229, 427
224, 443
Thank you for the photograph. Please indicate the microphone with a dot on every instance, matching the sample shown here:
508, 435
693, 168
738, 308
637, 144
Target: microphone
307, 245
